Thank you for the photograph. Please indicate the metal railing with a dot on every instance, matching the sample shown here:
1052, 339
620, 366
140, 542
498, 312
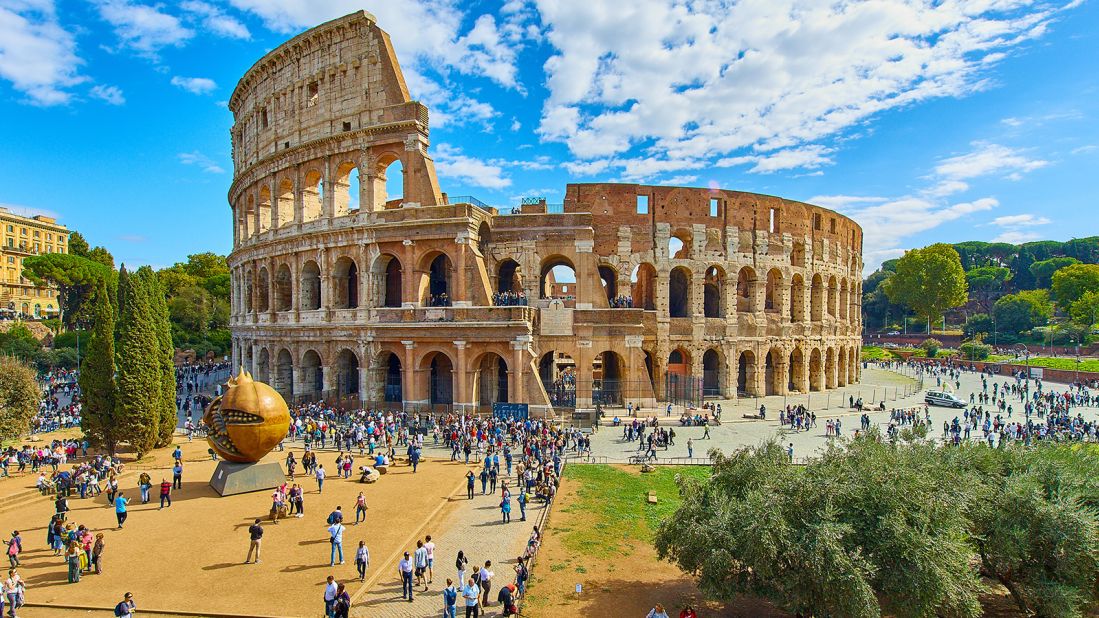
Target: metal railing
465, 199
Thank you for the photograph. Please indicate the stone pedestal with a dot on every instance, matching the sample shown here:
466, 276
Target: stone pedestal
239, 478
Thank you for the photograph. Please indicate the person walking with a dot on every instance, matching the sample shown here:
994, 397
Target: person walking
330, 592
320, 478
404, 568
13, 588
657, 612
97, 554
469, 484
522, 500
360, 507
471, 593
15, 547
255, 536
144, 483
461, 563
362, 560
126, 607
342, 607
120, 503
165, 492
450, 600
505, 507
177, 475
429, 546
486, 582
335, 532
419, 560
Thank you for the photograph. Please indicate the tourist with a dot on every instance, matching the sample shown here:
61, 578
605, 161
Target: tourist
460, 563
486, 582
429, 546
505, 506
335, 532
97, 553
657, 612
506, 599
471, 593
177, 475
522, 500
330, 592
15, 546
13, 590
120, 503
165, 492
362, 560
335, 517
342, 605
419, 559
450, 599
72, 558
404, 568
126, 607
255, 535
320, 478
688, 612
522, 574
144, 483
469, 479
360, 508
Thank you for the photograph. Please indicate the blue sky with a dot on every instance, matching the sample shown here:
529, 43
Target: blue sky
925, 121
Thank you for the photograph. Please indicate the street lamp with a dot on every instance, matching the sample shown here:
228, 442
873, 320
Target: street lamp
1026, 357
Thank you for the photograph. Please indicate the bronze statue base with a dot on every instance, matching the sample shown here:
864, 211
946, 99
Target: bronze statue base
240, 478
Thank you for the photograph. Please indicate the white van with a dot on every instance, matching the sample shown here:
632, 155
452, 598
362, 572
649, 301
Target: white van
938, 398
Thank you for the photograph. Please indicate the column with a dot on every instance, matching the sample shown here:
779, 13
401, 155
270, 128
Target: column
460, 295
408, 380
273, 188
517, 372
299, 197
460, 374
328, 201
585, 272
271, 285
365, 367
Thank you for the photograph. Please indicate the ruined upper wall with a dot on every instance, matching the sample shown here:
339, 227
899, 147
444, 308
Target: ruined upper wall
340, 76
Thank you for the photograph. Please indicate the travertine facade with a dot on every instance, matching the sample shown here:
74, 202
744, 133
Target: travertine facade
23, 237
333, 292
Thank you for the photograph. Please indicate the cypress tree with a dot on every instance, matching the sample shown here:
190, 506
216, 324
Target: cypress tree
97, 375
138, 399
168, 413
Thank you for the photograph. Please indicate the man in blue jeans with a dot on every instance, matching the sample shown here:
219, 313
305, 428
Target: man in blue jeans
450, 600
335, 532
404, 567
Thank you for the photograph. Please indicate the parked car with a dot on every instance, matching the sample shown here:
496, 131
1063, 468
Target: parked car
939, 398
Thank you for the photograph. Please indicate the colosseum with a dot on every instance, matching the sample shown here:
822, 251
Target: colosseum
623, 293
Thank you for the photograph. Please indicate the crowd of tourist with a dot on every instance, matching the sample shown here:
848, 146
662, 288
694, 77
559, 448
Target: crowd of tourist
509, 299
439, 300
621, 302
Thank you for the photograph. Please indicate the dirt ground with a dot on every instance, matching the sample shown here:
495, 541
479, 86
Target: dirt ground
190, 556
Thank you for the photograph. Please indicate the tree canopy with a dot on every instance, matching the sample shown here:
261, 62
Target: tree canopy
929, 281
1071, 282
19, 397
73, 275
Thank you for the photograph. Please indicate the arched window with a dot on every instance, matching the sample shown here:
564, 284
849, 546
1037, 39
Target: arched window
713, 300
345, 195
833, 295
310, 286
509, 277
285, 202
347, 373
711, 373
284, 289
435, 282
679, 293
312, 196
264, 209
345, 283
797, 299
386, 277
609, 278
264, 293
745, 290
679, 246
816, 299
643, 286
773, 297
558, 279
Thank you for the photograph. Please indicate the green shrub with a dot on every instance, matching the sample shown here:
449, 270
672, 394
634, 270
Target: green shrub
931, 347
974, 351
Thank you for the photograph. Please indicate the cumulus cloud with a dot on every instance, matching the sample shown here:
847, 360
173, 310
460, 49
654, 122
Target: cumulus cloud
215, 20
704, 81
37, 55
201, 161
987, 159
1017, 237
452, 163
145, 29
195, 85
110, 94
1024, 220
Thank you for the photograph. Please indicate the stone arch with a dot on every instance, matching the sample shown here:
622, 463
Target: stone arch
345, 283
387, 275
249, 223
746, 373
772, 300
745, 290
284, 373
643, 286
264, 209
389, 181
312, 196
312, 373
436, 274
390, 375
310, 286
679, 293
438, 370
713, 373
263, 292
490, 380
816, 299
550, 284
249, 291
263, 366
285, 202
843, 299
608, 374
346, 189
832, 296
509, 276
609, 278
679, 245
830, 368
713, 292
484, 238
816, 373
796, 368
841, 367
347, 373
679, 362
774, 376
797, 298
557, 371
284, 288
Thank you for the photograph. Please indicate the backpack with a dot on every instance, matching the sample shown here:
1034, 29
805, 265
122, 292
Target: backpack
121, 609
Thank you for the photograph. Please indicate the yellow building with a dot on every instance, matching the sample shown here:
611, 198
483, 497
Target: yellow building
22, 237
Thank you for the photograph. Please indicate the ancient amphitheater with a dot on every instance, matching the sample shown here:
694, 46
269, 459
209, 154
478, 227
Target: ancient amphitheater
623, 293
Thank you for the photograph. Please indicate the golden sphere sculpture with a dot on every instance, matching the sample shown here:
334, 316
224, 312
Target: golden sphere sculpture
247, 421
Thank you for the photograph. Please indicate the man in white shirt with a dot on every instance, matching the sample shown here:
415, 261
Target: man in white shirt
404, 568
335, 532
330, 590
470, 592
320, 479
430, 547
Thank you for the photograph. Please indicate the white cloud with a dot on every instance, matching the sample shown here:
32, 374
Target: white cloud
216, 21
1024, 220
111, 94
841, 202
679, 181
145, 29
988, 159
451, 163
1016, 237
30, 211
947, 187
515, 125
37, 55
1085, 149
195, 85
200, 160
808, 157
700, 81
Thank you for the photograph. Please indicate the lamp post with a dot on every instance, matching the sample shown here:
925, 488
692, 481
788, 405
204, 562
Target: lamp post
1026, 361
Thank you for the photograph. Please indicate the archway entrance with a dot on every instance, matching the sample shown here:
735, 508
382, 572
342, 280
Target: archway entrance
440, 379
816, 376
491, 380
609, 279
711, 373
284, 373
509, 277
394, 384
558, 279
606, 373
643, 287
558, 374
679, 293
312, 373
797, 370
346, 283
347, 373
438, 292
746, 373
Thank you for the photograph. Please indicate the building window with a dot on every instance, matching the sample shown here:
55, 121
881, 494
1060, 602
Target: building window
263, 119
773, 224
642, 204
832, 225
37, 234
715, 206
347, 126
816, 221
11, 229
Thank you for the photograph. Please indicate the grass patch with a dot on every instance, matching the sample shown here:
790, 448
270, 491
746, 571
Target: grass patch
614, 504
1068, 364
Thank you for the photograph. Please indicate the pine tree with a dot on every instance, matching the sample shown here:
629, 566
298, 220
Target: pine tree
168, 414
97, 375
137, 403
